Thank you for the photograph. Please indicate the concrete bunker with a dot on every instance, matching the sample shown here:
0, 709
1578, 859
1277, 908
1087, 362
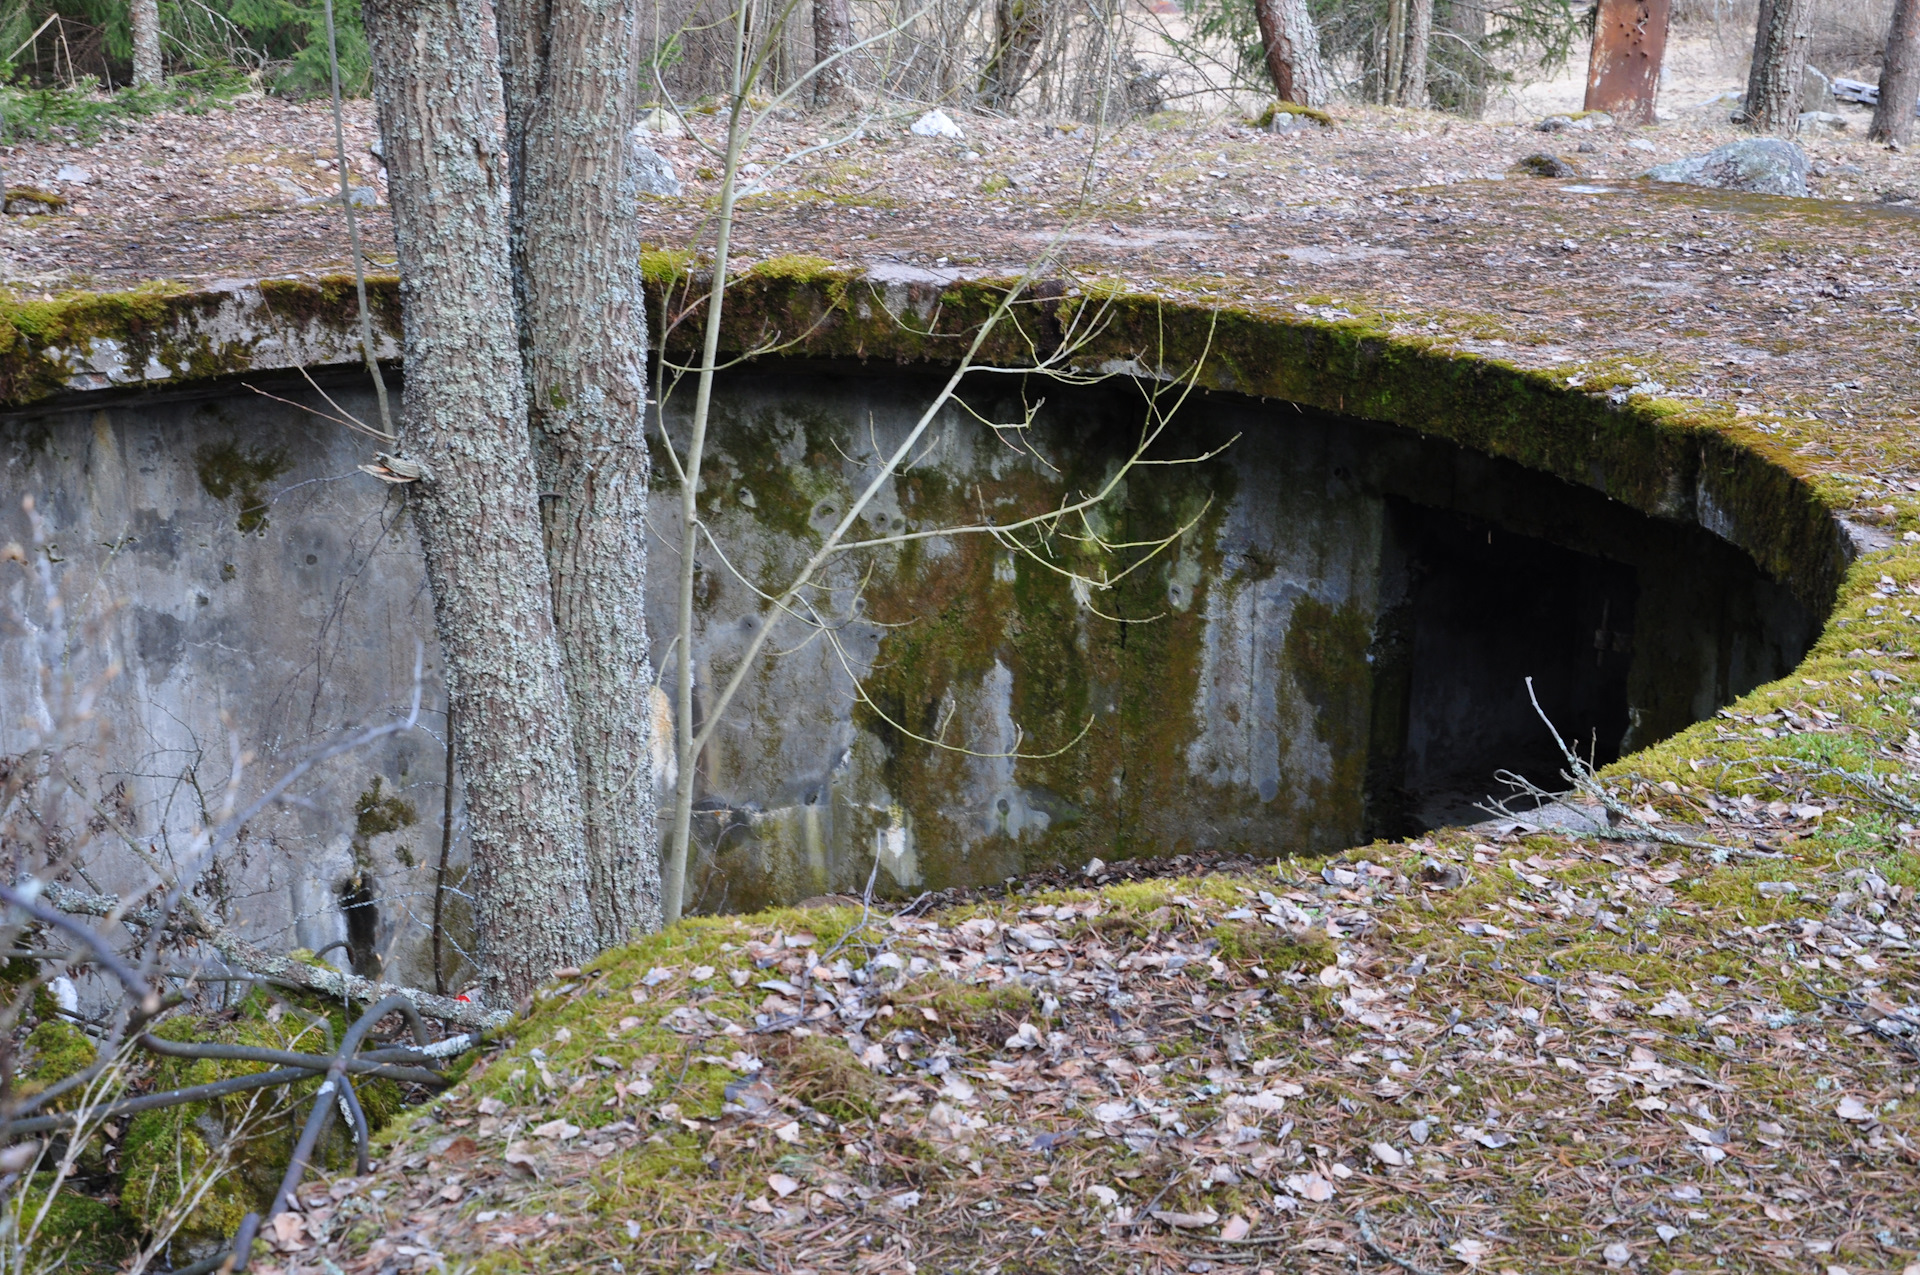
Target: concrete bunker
1332, 650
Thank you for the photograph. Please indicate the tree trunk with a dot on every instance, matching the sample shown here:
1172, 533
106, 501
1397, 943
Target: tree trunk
571, 75
1018, 26
1413, 81
1774, 84
1899, 77
145, 17
1396, 51
832, 33
437, 86
1293, 52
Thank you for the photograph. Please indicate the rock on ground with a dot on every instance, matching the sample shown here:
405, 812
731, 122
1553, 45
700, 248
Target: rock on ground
1761, 165
936, 124
652, 173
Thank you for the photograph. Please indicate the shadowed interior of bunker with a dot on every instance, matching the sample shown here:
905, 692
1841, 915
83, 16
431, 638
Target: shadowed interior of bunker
1336, 649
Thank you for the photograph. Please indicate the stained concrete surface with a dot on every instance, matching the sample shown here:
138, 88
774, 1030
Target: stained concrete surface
1331, 649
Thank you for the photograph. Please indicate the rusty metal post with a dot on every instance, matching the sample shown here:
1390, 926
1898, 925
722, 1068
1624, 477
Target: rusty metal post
1623, 72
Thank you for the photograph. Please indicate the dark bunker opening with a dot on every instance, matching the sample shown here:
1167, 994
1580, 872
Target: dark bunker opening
1321, 634
1332, 647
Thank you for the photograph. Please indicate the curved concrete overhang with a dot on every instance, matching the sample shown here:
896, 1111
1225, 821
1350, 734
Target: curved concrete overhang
1666, 459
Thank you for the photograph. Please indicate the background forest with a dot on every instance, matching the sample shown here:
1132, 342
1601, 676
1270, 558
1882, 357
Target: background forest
1082, 59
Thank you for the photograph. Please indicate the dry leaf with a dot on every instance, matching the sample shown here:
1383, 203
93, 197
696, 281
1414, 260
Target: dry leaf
1674, 1005
1186, 1221
1472, 1252
1237, 1228
1387, 1154
287, 1230
782, 1185
1311, 1186
1027, 1037
1851, 1108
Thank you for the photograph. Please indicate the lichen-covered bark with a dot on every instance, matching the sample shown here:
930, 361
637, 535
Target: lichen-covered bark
1780, 41
570, 72
1899, 76
1413, 77
144, 17
438, 91
832, 34
1292, 45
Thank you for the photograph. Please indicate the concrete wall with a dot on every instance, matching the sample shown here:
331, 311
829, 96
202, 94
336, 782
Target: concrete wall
956, 710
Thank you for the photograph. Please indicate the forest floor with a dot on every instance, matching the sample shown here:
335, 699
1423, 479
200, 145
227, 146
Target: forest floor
1798, 312
1501, 1049
1495, 1049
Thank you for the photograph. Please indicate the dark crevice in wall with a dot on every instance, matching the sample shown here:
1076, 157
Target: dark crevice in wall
363, 924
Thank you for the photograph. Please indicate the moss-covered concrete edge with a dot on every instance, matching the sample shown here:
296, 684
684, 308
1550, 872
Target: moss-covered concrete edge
1673, 460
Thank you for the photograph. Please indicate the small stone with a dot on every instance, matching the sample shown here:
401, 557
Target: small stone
1825, 119
661, 123
29, 200
1285, 120
1617, 1254
1584, 122
936, 124
1542, 164
1640, 144
73, 175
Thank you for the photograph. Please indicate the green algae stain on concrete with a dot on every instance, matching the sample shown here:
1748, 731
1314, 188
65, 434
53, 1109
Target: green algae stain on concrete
1325, 652
231, 471
1025, 717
